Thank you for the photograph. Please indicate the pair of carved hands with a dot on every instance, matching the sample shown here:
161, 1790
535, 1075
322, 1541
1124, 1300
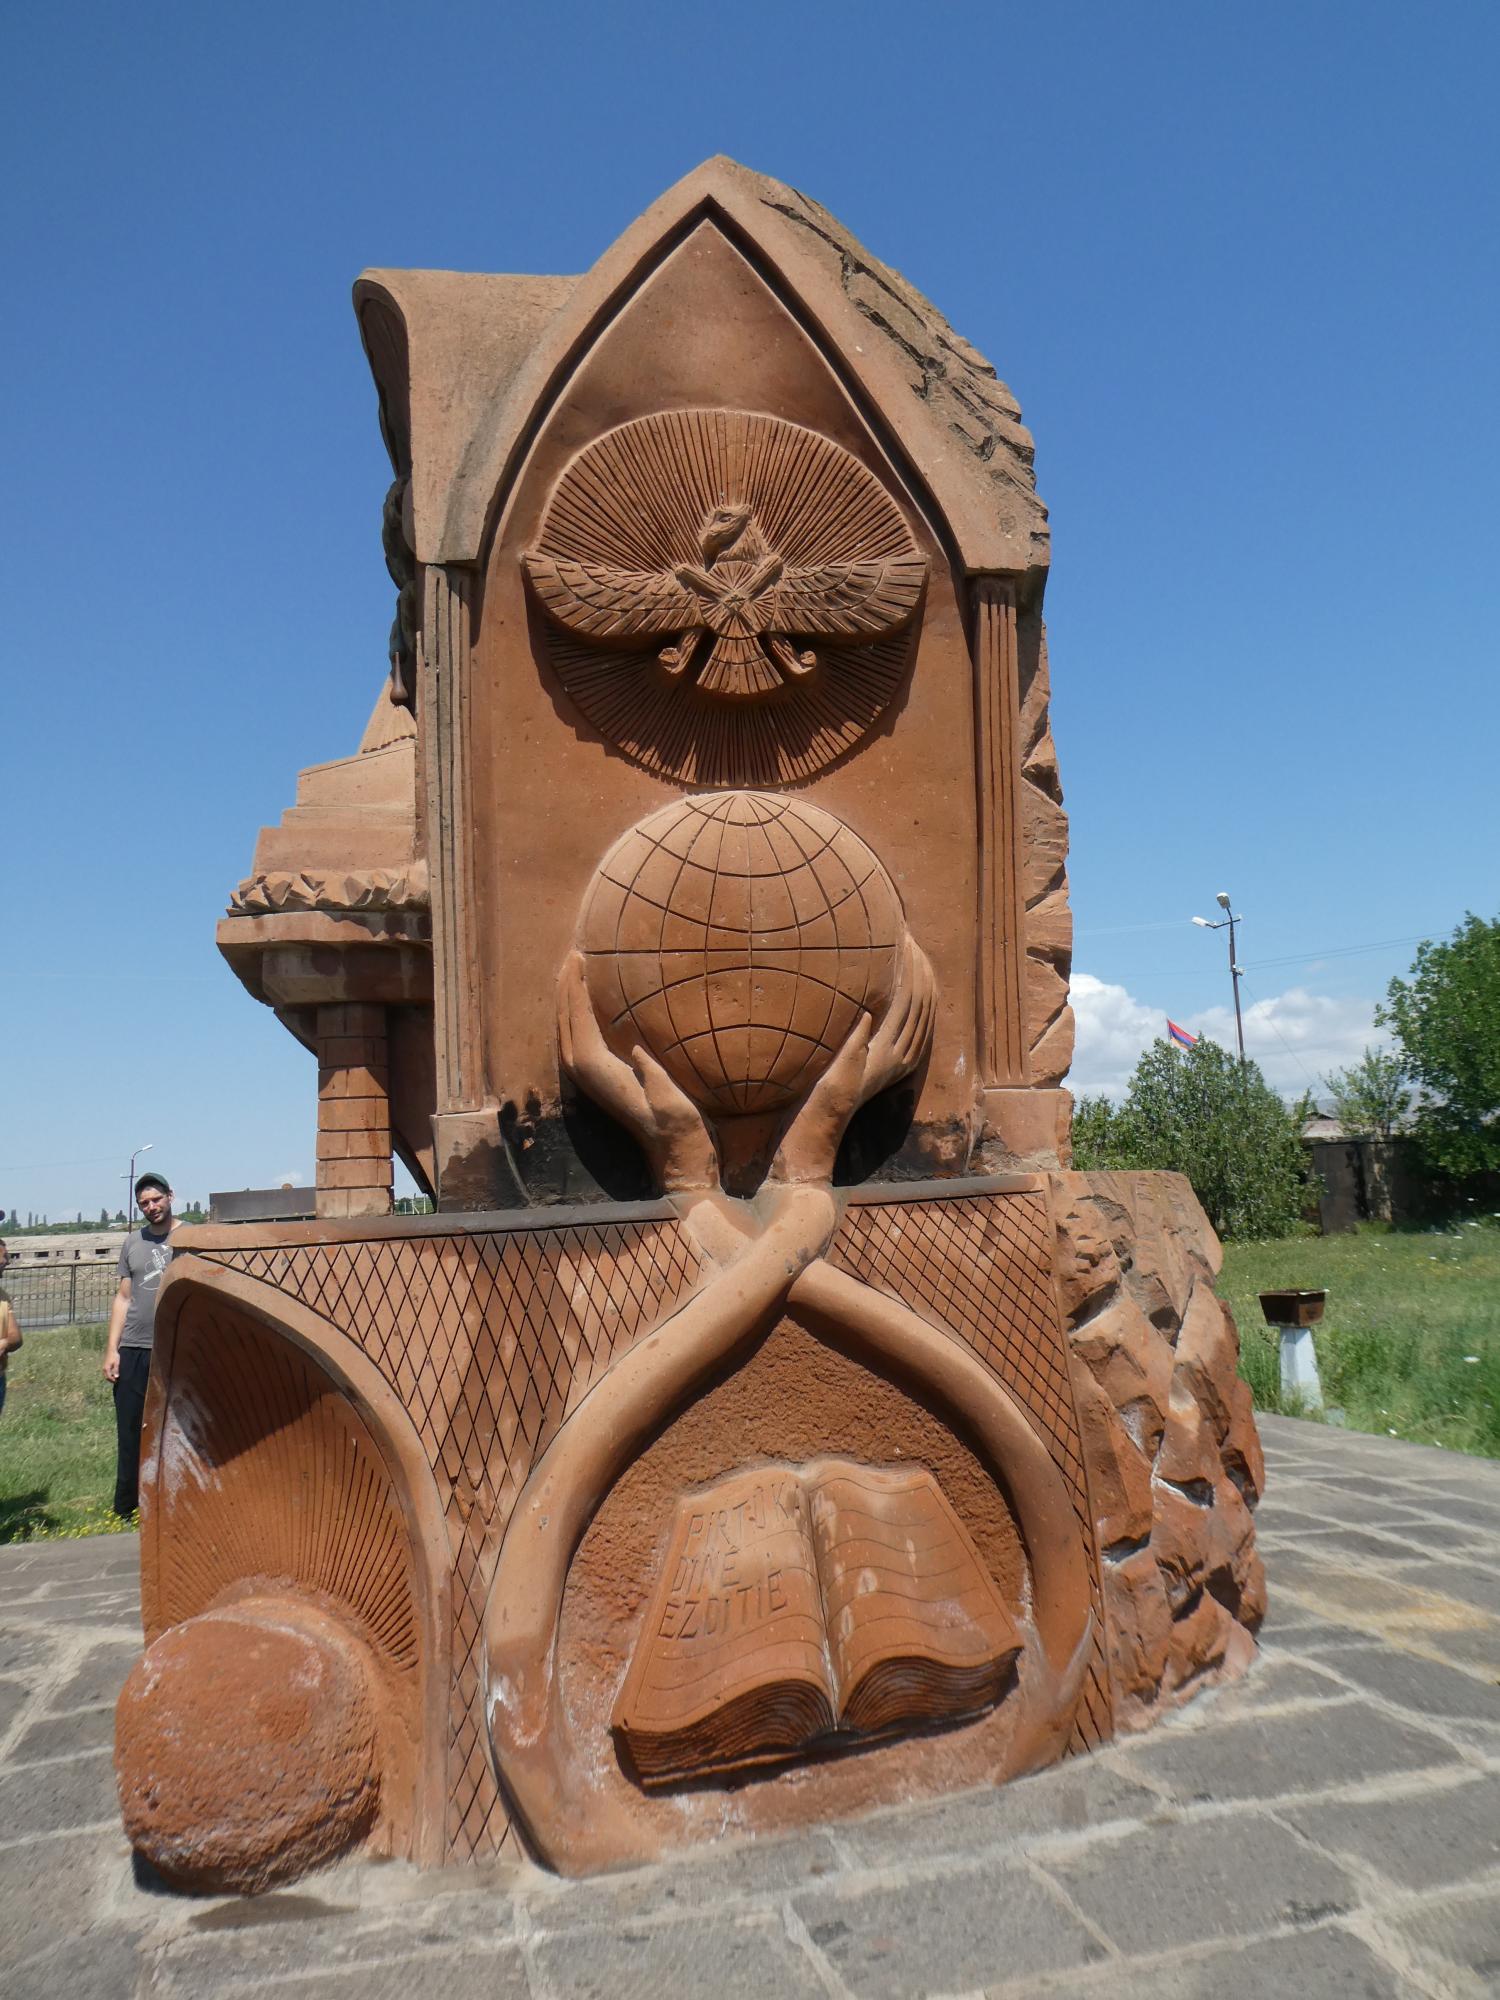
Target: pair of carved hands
676, 1136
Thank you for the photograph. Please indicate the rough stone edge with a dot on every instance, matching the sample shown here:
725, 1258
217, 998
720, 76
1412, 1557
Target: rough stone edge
960, 387
1173, 1456
1048, 918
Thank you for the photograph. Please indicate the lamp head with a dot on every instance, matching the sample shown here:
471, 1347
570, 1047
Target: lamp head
1222, 899
1203, 923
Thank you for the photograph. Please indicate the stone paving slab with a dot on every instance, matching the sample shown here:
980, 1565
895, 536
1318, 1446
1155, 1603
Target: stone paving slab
1329, 1826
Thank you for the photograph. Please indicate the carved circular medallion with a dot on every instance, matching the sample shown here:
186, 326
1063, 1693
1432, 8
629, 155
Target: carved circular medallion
729, 598
740, 937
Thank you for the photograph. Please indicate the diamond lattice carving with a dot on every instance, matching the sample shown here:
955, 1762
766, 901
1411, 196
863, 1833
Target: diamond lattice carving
981, 1268
490, 1340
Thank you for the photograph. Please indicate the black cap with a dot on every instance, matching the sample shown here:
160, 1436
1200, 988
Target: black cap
152, 1181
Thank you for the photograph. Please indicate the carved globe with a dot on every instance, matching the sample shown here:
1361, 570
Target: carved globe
739, 937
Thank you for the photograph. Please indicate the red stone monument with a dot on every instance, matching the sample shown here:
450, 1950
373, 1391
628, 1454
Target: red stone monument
767, 1424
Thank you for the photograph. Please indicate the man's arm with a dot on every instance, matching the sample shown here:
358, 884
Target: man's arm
119, 1305
10, 1330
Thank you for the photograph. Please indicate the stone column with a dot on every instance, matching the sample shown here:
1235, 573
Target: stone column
1002, 1008
468, 1152
354, 1112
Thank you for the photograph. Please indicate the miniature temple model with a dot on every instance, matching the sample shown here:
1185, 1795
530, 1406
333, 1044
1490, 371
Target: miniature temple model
767, 1424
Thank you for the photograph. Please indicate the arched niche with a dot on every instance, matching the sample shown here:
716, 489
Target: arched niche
277, 1455
553, 780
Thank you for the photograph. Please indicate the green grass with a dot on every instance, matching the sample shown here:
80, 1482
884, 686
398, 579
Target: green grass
1406, 1312
57, 1438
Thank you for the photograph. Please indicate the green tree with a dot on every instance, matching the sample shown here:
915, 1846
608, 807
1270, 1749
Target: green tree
1446, 1015
1370, 1097
1094, 1147
1199, 1112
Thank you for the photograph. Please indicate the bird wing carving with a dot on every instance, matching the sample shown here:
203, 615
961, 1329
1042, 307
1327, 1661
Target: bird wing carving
599, 601
846, 600
699, 582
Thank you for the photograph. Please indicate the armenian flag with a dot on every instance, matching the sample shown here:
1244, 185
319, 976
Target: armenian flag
1181, 1035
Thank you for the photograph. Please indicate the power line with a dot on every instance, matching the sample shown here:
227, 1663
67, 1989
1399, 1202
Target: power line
1336, 951
1289, 958
1119, 930
1314, 1083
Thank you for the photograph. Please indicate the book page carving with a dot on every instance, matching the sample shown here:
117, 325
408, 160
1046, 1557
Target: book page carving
806, 1609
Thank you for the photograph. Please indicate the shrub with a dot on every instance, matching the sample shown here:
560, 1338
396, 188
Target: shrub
1202, 1113
1370, 1097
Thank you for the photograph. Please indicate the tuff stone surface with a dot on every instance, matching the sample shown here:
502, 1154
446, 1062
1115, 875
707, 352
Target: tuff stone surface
246, 1747
736, 515
779, 535
352, 897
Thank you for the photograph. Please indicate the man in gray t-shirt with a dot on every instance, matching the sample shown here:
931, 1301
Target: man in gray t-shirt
132, 1323
10, 1331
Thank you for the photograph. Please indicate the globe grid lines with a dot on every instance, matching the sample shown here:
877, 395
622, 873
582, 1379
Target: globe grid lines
691, 1039
759, 845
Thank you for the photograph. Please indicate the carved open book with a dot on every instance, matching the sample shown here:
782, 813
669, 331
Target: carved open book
804, 1607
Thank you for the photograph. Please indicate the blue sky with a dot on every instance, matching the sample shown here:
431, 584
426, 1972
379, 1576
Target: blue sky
1237, 263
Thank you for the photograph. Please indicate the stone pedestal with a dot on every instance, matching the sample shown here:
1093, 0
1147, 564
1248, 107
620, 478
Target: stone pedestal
1083, 1302
1300, 1381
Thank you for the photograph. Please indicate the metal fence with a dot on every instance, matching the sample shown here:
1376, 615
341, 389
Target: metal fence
60, 1294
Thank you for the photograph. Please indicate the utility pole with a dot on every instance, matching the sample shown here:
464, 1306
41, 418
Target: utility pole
1228, 922
130, 1186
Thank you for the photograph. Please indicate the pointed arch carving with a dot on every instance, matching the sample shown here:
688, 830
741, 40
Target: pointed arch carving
498, 449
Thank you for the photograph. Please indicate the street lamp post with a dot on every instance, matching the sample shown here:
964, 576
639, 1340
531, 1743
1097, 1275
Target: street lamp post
130, 1185
1228, 922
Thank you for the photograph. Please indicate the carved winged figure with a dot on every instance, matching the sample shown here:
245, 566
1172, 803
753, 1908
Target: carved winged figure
744, 597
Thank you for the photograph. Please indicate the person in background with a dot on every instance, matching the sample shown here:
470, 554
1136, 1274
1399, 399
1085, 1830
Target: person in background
132, 1324
10, 1331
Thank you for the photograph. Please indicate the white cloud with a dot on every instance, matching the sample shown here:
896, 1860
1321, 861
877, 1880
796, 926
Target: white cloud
1296, 1037
1113, 1029
288, 1179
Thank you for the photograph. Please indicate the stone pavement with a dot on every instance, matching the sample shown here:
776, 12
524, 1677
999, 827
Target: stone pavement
1329, 1826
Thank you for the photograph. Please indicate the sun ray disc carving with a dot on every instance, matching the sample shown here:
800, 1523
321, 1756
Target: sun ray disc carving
728, 596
